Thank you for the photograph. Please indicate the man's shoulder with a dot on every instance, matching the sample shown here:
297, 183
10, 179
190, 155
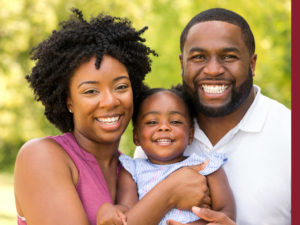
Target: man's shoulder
276, 108
278, 116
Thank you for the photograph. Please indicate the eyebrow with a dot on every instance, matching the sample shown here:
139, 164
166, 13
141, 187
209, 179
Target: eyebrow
197, 49
120, 77
177, 112
158, 113
229, 49
151, 112
97, 82
88, 82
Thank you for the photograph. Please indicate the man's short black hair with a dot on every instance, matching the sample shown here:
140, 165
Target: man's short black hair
77, 42
219, 14
146, 92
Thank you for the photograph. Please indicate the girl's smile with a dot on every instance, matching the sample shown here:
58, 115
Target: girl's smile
163, 128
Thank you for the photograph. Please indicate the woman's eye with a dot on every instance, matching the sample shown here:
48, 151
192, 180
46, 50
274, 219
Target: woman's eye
121, 87
90, 92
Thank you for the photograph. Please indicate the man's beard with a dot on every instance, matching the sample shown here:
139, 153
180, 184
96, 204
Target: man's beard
238, 96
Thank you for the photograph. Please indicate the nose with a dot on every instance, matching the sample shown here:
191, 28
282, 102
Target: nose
213, 68
164, 127
108, 100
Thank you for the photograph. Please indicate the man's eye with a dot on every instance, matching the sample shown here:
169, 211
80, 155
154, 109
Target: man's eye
229, 57
199, 57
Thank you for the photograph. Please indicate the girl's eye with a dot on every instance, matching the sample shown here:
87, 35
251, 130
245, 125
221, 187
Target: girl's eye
151, 122
121, 87
176, 122
90, 92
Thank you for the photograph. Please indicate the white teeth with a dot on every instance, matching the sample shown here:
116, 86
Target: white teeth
214, 89
109, 120
163, 140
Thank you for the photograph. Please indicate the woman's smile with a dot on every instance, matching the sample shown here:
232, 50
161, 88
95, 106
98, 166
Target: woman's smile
110, 123
101, 100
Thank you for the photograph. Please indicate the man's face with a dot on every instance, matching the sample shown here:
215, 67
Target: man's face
217, 70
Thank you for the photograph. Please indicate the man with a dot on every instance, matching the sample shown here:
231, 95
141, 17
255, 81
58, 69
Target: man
233, 117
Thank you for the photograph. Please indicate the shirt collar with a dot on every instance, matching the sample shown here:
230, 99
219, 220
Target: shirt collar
252, 121
256, 115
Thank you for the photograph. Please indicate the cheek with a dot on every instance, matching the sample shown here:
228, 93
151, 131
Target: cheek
127, 99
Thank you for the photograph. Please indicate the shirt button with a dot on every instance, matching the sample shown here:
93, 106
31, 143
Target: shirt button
206, 146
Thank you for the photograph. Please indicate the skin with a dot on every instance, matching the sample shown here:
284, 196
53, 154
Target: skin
46, 177
215, 49
164, 116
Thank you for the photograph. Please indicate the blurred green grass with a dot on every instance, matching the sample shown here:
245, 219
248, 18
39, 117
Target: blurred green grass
8, 213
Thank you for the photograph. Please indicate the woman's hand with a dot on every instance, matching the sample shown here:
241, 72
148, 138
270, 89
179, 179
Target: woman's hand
108, 214
189, 187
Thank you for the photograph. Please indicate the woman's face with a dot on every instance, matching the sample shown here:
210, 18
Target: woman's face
101, 100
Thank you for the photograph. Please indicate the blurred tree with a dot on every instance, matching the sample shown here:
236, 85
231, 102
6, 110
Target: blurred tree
25, 23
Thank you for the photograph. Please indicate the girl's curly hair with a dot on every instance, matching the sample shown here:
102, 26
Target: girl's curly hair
77, 42
178, 90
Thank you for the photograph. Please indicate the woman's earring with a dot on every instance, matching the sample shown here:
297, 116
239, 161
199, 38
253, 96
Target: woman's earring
70, 110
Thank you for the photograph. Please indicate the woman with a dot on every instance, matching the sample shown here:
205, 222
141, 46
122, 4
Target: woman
87, 76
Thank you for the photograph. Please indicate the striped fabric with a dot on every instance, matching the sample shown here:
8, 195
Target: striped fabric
147, 175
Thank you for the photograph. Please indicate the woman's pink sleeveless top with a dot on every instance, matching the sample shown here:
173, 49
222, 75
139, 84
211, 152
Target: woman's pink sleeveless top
91, 187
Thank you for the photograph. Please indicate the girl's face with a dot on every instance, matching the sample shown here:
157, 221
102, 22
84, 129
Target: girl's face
163, 128
101, 100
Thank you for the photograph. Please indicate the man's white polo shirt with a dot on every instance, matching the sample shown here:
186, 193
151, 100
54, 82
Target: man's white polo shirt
259, 161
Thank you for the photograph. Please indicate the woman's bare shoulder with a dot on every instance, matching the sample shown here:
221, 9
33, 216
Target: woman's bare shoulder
43, 155
40, 149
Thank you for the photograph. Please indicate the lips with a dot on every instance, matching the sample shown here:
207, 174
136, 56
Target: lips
109, 122
214, 88
163, 141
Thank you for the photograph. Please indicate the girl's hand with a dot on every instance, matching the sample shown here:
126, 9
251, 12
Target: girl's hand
108, 214
189, 188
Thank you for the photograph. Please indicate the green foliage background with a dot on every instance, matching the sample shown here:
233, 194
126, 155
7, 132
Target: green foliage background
25, 23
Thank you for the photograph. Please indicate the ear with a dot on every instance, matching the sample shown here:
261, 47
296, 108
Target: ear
69, 103
253, 63
135, 137
191, 135
181, 63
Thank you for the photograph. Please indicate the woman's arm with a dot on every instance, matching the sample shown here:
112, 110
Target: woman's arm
44, 185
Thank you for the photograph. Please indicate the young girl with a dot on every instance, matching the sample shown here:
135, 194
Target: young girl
163, 127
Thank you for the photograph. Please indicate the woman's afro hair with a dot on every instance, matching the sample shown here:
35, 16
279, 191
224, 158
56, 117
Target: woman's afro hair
178, 90
77, 42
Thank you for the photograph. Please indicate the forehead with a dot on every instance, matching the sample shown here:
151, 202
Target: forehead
163, 101
109, 69
214, 35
